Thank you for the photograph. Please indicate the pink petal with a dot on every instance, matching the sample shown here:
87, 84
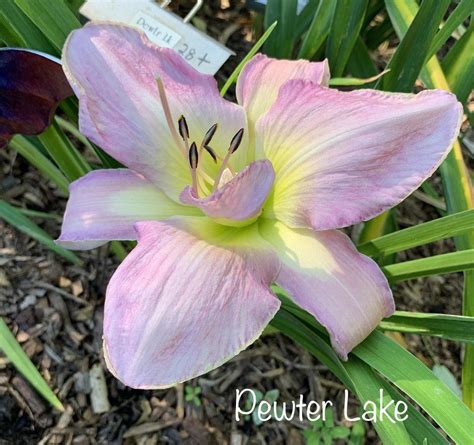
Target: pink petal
260, 80
344, 157
31, 86
188, 298
239, 199
113, 70
325, 275
105, 204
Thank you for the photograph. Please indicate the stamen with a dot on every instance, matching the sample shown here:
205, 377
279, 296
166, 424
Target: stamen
234, 145
193, 162
211, 152
167, 111
206, 140
209, 135
236, 141
183, 128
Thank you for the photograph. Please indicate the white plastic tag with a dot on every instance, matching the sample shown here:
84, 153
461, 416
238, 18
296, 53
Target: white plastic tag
163, 28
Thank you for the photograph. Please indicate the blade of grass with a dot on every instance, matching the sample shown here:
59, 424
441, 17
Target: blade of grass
37, 214
318, 30
40, 161
288, 27
436, 200
14, 217
17, 30
317, 343
66, 156
408, 373
71, 128
449, 327
20, 360
272, 14
55, 19
292, 327
408, 59
379, 34
233, 77
438, 264
459, 65
375, 228
346, 25
106, 160
281, 42
368, 387
354, 81
420, 429
463, 10
304, 18
438, 229
456, 181
360, 63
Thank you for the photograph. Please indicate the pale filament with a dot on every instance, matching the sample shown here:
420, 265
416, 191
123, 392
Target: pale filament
198, 176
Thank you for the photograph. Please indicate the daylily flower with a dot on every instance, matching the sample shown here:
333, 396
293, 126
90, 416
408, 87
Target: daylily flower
226, 199
31, 86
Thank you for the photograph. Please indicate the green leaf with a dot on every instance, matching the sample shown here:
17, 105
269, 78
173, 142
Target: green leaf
40, 161
298, 331
63, 152
17, 30
368, 386
233, 77
462, 11
272, 395
409, 58
304, 18
14, 217
54, 18
438, 264
379, 34
340, 432
456, 182
446, 376
376, 227
419, 428
281, 42
318, 30
360, 63
438, 229
353, 81
303, 329
449, 327
20, 360
459, 65
311, 437
346, 25
329, 422
408, 373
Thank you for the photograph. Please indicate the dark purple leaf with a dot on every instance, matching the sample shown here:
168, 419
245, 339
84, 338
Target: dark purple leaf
31, 86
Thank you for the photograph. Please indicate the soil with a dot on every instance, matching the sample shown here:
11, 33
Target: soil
55, 309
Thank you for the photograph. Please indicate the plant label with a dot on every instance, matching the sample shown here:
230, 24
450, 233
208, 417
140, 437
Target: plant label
163, 28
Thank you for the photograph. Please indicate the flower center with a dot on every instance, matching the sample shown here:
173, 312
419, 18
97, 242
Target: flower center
193, 154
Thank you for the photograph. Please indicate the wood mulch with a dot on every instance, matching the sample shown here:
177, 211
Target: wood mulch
55, 310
